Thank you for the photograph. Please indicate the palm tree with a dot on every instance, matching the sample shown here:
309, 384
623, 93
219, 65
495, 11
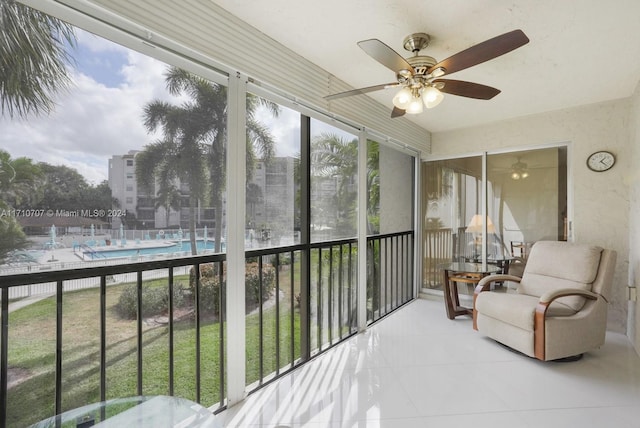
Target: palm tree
254, 197
199, 126
178, 157
34, 54
170, 198
336, 158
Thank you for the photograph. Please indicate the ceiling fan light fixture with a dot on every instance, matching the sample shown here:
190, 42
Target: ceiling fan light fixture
519, 170
403, 98
415, 106
432, 97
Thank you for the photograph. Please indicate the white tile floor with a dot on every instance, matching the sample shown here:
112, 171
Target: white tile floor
416, 368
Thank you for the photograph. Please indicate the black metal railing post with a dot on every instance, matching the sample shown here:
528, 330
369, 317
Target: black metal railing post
58, 396
139, 329
4, 354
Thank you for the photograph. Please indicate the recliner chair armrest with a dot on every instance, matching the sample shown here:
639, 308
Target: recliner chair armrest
541, 312
483, 284
550, 296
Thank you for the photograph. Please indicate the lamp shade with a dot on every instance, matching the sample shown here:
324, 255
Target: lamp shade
475, 225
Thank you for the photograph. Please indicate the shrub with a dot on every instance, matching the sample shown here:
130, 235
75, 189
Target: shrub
155, 300
252, 283
210, 285
209, 288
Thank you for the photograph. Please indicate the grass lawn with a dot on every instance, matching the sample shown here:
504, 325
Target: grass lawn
32, 352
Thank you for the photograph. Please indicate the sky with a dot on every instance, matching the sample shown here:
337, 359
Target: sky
100, 115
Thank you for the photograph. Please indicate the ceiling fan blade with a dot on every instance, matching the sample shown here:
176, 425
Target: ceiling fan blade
467, 89
361, 91
397, 112
385, 55
482, 52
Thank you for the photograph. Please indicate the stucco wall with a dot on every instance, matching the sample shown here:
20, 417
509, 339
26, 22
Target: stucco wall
601, 201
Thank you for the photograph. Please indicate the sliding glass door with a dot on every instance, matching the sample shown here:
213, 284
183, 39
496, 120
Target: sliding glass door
527, 198
526, 201
451, 197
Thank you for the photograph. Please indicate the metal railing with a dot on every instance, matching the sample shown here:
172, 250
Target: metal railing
333, 293
390, 273
181, 351
331, 288
272, 300
438, 247
121, 344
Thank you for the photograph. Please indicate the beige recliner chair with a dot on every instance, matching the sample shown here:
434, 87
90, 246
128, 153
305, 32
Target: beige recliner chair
560, 307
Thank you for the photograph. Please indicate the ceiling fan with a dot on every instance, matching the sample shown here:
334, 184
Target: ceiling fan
520, 170
418, 77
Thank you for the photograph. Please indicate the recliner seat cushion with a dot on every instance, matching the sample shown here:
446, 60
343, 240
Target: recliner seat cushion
516, 309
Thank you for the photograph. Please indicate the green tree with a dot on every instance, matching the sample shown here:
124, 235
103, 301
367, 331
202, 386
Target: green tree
60, 187
34, 54
20, 181
373, 187
98, 198
64, 188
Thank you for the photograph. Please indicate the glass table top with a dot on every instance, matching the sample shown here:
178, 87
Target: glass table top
470, 267
142, 411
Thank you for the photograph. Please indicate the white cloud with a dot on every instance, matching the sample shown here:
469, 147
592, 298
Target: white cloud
285, 129
91, 121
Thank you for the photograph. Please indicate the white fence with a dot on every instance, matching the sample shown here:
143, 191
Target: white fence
23, 291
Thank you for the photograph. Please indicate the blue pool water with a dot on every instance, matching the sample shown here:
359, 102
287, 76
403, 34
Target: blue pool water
146, 251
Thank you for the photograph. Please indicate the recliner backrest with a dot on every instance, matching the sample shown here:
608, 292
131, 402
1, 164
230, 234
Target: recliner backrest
554, 265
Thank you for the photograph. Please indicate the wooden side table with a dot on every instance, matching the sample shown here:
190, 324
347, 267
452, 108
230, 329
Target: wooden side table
466, 273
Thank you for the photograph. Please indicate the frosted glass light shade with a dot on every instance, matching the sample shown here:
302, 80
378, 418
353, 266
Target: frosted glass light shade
402, 98
415, 106
432, 97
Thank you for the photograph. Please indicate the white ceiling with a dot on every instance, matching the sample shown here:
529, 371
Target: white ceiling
581, 52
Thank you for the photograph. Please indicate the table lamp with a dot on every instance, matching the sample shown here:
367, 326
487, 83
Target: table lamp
475, 226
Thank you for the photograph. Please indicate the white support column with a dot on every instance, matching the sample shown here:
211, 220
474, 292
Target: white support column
485, 211
362, 232
236, 177
418, 226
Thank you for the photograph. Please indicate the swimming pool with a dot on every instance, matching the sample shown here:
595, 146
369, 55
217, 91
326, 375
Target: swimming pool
167, 249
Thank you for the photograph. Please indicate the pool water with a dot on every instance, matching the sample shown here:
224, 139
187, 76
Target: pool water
184, 246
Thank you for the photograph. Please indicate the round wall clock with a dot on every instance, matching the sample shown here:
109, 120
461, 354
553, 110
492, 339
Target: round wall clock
601, 161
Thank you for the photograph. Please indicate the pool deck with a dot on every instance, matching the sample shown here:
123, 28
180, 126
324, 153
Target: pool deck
67, 254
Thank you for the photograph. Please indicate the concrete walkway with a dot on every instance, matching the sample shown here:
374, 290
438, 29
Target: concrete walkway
14, 306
